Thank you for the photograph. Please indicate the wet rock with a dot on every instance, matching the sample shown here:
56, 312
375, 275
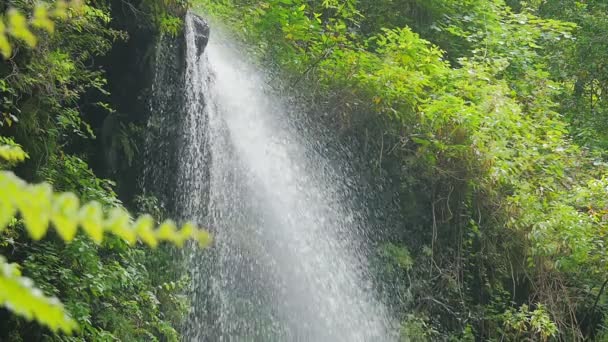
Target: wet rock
202, 34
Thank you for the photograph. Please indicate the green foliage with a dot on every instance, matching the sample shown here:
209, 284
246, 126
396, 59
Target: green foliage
416, 329
10, 152
165, 15
18, 295
579, 65
399, 256
533, 325
171, 25
15, 24
39, 207
51, 94
70, 173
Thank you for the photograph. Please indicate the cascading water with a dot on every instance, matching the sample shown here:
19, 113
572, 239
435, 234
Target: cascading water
287, 262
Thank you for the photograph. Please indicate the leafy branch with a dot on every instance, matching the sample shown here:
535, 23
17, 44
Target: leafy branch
11, 152
16, 25
19, 295
40, 207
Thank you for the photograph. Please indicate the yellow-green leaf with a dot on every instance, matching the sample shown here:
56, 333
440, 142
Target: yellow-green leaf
20, 296
39, 206
91, 218
17, 26
12, 153
204, 238
35, 207
185, 233
143, 228
118, 222
65, 215
167, 231
61, 9
5, 46
7, 211
41, 19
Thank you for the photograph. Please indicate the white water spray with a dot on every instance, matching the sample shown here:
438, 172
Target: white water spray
287, 261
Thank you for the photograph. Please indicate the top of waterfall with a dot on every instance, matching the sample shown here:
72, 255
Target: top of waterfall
201, 32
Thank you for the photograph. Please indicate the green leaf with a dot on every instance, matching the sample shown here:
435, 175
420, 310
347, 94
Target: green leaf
41, 19
18, 28
167, 231
91, 218
118, 223
65, 214
38, 206
7, 210
35, 208
143, 228
20, 296
5, 46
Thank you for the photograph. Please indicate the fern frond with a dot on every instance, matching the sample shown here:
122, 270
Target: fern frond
11, 152
19, 295
40, 207
16, 24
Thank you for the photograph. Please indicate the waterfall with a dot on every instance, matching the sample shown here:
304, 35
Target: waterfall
288, 262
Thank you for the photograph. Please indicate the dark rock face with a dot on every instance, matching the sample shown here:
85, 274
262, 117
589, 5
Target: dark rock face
202, 34
147, 82
166, 110
128, 68
167, 145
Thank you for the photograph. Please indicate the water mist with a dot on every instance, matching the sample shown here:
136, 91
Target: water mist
287, 262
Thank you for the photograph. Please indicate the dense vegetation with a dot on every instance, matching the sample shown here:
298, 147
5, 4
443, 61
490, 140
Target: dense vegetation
51, 84
482, 121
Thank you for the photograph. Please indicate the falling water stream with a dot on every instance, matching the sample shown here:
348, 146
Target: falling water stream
287, 263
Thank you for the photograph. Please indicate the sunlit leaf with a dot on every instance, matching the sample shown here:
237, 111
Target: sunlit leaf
41, 19
143, 227
5, 46
20, 296
118, 222
65, 215
91, 218
17, 26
